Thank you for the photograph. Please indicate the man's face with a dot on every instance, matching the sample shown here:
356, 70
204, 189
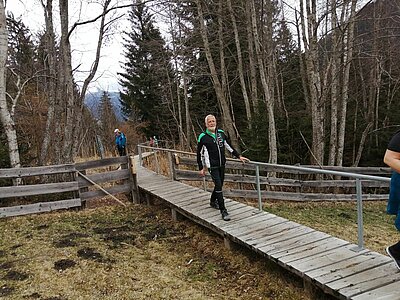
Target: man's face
211, 124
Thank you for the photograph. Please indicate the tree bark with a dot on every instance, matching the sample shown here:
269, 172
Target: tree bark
226, 114
51, 80
273, 152
313, 80
347, 59
6, 116
240, 64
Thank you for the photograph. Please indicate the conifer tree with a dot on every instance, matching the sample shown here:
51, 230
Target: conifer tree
147, 76
108, 121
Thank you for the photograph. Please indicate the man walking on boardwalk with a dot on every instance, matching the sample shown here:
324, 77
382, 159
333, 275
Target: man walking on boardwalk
392, 159
211, 146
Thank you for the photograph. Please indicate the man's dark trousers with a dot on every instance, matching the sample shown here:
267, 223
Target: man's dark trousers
217, 175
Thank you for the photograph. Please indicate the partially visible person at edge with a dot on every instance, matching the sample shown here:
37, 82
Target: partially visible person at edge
392, 159
211, 146
120, 142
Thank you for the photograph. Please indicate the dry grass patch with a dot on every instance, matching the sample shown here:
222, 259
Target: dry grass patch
130, 253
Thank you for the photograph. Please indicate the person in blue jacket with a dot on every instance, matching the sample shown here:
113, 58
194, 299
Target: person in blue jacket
120, 142
211, 146
392, 159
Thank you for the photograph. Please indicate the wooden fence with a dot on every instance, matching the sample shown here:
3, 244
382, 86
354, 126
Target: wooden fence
49, 188
284, 184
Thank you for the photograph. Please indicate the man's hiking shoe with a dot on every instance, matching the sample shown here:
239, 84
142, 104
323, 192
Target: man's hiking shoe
214, 204
394, 257
225, 216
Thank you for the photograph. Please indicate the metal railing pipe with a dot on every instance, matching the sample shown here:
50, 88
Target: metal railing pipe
360, 227
258, 187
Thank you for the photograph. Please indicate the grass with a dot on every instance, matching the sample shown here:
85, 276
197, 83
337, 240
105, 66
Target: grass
133, 252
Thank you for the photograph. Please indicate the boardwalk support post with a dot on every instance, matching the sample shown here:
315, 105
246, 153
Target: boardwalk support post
175, 215
228, 243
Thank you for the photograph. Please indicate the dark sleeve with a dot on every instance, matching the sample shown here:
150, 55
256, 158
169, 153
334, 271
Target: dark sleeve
394, 143
234, 152
199, 147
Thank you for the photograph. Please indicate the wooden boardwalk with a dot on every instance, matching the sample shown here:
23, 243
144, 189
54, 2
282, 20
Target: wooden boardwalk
328, 262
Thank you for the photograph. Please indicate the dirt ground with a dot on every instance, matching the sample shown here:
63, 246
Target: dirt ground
136, 252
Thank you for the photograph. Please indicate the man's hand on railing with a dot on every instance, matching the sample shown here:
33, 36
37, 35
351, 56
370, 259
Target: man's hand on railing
244, 159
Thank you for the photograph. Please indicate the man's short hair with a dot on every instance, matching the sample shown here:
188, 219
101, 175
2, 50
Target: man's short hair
208, 116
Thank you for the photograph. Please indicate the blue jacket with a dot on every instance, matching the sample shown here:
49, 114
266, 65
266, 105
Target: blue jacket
120, 140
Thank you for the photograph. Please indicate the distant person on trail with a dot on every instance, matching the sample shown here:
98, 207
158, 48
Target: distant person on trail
211, 146
392, 159
120, 142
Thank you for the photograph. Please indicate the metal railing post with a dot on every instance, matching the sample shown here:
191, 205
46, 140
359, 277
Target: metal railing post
359, 215
258, 187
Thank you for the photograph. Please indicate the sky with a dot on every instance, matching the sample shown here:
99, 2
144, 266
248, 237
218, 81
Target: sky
83, 41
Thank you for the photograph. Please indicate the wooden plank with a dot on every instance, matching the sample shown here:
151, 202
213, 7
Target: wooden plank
250, 225
368, 280
236, 219
289, 230
272, 181
295, 196
309, 249
286, 169
389, 291
293, 246
270, 227
122, 188
326, 259
101, 163
356, 265
38, 189
241, 211
122, 174
38, 207
36, 171
169, 190
197, 196
155, 186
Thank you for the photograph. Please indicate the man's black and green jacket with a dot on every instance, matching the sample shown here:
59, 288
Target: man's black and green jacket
211, 149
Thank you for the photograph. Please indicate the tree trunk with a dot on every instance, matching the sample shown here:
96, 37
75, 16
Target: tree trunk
273, 152
334, 85
348, 57
252, 64
226, 114
51, 81
6, 117
240, 64
314, 81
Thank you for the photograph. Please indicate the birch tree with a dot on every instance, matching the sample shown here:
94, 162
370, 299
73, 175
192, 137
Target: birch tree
6, 111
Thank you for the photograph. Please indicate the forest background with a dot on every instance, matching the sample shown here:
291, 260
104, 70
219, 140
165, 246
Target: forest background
319, 88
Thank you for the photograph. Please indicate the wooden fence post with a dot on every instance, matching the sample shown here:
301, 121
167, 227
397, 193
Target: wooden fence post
171, 166
133, 180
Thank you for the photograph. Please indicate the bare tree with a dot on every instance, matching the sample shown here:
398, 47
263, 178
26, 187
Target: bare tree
6, 112
266, 84
219, 84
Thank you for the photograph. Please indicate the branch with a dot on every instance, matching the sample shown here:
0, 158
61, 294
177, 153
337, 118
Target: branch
76, 24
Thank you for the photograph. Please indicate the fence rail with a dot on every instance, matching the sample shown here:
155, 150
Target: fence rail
69, 189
